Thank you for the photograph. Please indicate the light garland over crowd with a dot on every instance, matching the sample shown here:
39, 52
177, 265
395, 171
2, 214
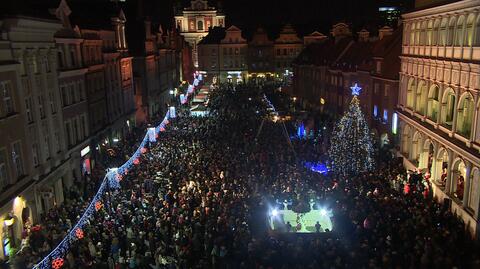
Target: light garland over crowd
55, 259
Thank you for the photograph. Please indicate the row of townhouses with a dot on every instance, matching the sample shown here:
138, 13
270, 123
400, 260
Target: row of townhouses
71, 87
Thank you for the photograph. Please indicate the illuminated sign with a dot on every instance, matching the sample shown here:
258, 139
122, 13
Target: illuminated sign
85, 151
387, 8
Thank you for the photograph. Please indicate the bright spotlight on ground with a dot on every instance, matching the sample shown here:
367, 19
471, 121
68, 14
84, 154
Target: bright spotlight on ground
274, 213
323, 212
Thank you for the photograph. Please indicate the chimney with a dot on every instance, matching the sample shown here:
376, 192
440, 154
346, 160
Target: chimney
363, 35
148, 28
384, 31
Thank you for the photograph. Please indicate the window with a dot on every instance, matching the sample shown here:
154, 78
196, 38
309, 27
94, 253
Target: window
82, 91
51, 99
236, 51
442, 34
469, 32
459, 32
375, 111
451, 31
17, 159
75, 131
3, 170
224, 51
385, 115
46, 64
6, 91
61, 63
386, 90
200, 25
230, 51
41, 107
68, 132
46, 140
34, 64
57, 141
64, 93
379, 66
28, 108
376, 88
83, 121
35, 154
412, 34
429, 33
72, 95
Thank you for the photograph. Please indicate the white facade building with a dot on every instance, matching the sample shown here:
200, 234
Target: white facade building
194, 22
439, 102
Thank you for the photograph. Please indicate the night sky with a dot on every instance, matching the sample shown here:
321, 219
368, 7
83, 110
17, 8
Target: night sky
305, 15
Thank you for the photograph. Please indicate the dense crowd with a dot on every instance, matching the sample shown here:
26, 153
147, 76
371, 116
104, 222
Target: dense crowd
200, 197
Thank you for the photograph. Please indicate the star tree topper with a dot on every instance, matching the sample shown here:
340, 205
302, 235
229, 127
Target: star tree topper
355, 90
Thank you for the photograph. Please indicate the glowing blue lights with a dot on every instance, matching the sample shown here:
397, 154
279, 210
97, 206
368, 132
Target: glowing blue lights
355, 90
316, 167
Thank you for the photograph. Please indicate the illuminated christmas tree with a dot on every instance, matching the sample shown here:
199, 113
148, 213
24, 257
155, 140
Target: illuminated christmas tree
351, 150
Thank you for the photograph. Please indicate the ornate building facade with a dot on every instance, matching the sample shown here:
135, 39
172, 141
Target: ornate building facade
193, 23
223, 54
439, 101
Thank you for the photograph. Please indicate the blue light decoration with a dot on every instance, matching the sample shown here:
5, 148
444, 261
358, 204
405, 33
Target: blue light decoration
270, 105
190, 89
111, 181
355, 90
196, 82
301, 132
183, 99
316, 167
173, 113
200, 77
151, 135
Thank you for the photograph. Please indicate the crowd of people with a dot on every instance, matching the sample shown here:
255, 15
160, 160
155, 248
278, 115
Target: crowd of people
200, 196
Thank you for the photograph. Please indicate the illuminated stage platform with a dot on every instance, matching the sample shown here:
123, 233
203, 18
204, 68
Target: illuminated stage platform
300, 222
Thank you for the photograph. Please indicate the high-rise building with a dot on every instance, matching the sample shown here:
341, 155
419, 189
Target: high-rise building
438, 103
193, 23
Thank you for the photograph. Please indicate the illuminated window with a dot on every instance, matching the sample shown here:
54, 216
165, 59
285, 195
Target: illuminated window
375, 111
385, 115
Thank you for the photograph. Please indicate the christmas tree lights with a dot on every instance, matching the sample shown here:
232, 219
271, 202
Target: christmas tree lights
351, 150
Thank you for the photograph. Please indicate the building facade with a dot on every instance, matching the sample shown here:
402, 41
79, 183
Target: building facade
54, 101
325, 70
223, 54
438, 102
35, 168
158, 63
260, 57
193, 23
286, 48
